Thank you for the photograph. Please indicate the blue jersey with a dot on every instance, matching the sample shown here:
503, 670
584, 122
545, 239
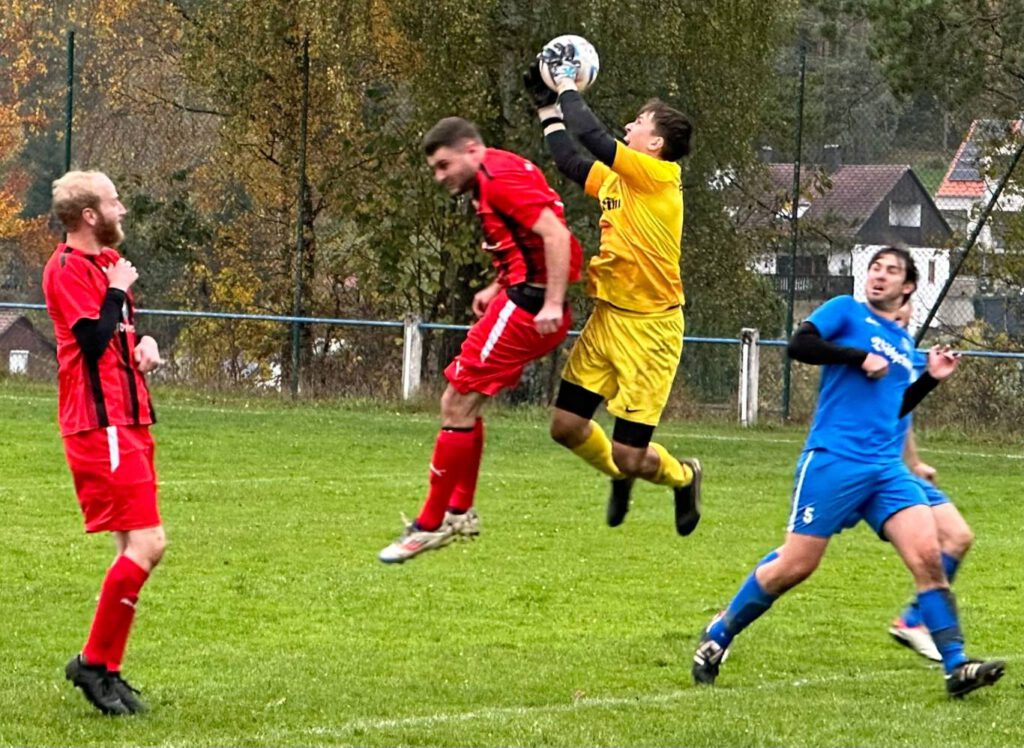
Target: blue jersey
857, 417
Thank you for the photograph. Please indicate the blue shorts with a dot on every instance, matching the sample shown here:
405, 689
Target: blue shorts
934, 495
832, 493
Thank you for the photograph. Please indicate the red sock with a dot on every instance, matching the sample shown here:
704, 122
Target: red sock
452, 452
465, 489
114, 613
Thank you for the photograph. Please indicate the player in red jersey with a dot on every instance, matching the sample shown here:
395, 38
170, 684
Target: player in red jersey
104, 413
521, 316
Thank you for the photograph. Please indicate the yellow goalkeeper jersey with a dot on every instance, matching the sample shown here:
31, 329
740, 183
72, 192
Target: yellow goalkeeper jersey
637, 267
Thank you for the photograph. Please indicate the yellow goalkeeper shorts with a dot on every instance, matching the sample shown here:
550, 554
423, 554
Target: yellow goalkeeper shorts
629, 358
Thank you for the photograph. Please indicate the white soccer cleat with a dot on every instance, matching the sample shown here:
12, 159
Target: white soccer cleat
412, 542
916, 638
466, 525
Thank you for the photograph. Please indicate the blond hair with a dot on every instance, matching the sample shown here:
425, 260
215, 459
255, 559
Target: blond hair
73, 193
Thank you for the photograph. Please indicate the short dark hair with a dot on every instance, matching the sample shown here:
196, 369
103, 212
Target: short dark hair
449, 133
672, 125
909, 266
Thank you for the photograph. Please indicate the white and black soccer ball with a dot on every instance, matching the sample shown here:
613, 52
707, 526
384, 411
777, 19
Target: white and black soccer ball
590, 64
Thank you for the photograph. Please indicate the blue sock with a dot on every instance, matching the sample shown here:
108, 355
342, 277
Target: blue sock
938, 610
746, 607
949, 565
912, 614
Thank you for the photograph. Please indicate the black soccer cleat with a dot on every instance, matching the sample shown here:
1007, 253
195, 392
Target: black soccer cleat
972, 675
707, 659
688, 499
128, 694
618, 501
94, 680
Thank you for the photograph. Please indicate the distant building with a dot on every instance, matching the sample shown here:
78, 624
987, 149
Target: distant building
23, 349
847, 212
964, 189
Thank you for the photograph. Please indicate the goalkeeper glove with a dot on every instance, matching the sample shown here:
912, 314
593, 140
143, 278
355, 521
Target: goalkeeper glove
563, 65
546, 100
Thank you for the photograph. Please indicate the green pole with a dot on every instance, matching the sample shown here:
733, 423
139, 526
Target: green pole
794, 225
299, 237
69, 106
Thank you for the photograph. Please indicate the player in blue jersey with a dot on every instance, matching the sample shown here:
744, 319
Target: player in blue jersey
955, 535
851, 469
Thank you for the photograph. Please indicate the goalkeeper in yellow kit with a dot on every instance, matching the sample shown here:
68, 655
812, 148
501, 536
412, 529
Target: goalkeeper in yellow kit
629, 349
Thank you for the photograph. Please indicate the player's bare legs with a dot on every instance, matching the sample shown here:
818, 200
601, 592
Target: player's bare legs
779, 571
794, 562
144, 547
623, 463
914, 534
448, 511
141, 550
955, 540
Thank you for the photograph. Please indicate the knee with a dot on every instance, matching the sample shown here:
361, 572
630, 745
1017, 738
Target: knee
565, 434
959, 541
449, 403
786, 572
156, 550
925, 564
629, 461
152, 548
569, 430
799, 569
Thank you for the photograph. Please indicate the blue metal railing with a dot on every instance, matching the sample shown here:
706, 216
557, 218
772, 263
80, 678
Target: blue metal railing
436, 326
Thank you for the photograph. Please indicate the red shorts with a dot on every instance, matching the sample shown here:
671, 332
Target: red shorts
499, 346
114, 477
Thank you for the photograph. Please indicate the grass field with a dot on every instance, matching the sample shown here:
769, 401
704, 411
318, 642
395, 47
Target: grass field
272, 623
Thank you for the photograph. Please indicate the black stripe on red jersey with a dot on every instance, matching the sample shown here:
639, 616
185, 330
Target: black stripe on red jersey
532, 271
92, 368
149, 402
95, 387
133, 392
129, 375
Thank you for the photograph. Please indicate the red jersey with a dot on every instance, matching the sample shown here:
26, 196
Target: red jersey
112, 391
509, 196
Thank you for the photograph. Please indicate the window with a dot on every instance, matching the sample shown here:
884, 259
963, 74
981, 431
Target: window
905, 214
931, 271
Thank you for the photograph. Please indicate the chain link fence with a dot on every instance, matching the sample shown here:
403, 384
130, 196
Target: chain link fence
843, 167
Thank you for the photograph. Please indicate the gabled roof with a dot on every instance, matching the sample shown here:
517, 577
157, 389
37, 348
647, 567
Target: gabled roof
844, 200
963, 178
7, 319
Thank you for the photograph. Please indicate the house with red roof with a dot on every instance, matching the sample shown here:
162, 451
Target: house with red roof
965, 188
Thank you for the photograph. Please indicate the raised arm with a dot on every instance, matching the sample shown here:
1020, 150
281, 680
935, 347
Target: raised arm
574, 165
587, 127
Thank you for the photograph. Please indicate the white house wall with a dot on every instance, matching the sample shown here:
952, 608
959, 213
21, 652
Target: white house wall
958, 308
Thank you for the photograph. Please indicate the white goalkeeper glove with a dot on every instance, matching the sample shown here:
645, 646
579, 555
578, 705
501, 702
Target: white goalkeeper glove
563, 65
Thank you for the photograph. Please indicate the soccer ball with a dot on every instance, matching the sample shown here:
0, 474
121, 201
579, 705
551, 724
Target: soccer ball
585, 53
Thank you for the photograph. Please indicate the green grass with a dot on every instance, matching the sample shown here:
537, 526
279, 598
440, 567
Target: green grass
271, 622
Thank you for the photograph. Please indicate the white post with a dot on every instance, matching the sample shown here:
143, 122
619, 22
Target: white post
17, 362
750, 365
412, 356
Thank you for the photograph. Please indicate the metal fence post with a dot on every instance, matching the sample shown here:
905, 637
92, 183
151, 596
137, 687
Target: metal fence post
750, 366
794, 224
412, 356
